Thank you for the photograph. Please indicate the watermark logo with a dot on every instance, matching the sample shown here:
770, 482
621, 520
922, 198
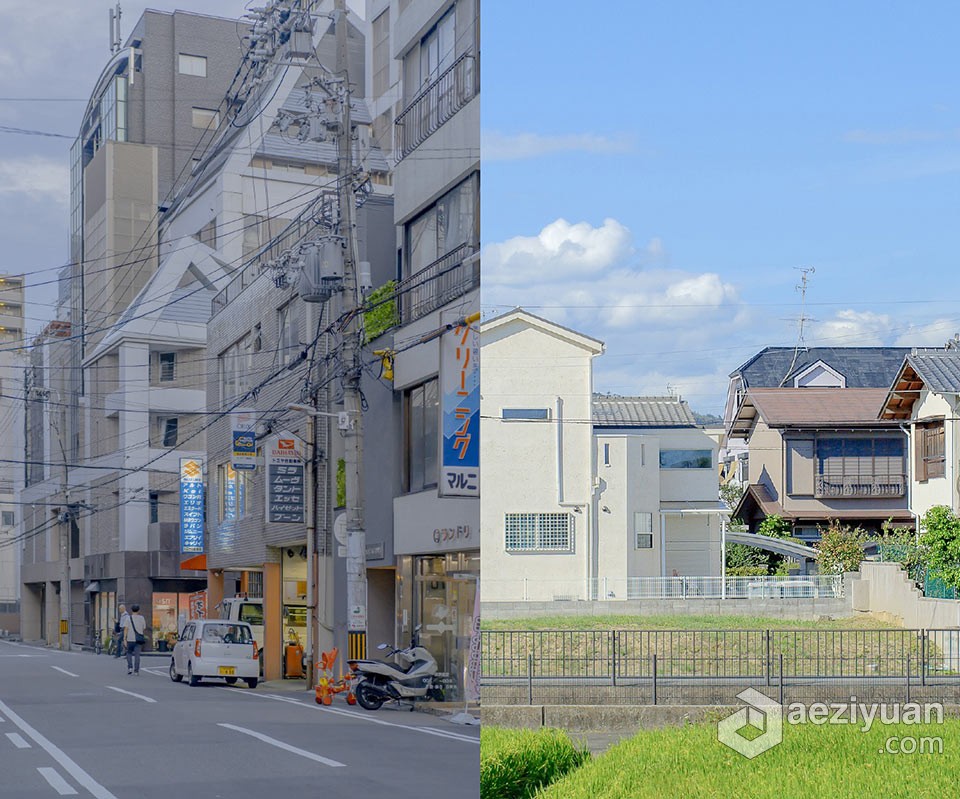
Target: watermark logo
754, 729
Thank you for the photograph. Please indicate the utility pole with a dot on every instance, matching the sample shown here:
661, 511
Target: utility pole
353, 435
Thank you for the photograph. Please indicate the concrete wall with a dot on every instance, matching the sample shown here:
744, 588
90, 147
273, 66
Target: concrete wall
884, 589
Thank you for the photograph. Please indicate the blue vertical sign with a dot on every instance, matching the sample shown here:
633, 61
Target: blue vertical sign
459, 406
191, 505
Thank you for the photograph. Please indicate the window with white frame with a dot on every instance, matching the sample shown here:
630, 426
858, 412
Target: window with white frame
421, 428
538, 532
168, 366
169, 429
537, 414
205, 118
8, 518
438, 47
451, 222
236, 369
643, 529
686, 459
192, 65
288, 332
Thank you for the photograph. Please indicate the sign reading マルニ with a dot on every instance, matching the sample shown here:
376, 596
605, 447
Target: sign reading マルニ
460, 408
191, 505
285, 480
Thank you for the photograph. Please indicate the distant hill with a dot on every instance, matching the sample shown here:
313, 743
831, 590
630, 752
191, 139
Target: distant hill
707, 419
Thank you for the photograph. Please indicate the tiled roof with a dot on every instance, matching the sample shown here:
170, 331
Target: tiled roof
939, 369
815, 406
863, 367
641, 412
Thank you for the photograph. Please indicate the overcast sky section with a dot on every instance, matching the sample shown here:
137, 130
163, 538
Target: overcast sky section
51, 55
658, 174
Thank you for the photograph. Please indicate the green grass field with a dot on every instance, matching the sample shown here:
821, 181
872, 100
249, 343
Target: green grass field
514, 764
837, 761
860, 622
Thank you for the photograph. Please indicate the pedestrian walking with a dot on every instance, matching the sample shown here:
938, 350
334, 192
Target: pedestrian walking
133, 634
122, 616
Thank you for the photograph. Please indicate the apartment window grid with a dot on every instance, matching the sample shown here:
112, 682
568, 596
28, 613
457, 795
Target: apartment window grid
288, 332
421, 412
538, 532
169, 430
643, 529
168, 366
381, 54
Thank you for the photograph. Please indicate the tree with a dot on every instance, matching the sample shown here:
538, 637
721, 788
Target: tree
940, 542
840, 548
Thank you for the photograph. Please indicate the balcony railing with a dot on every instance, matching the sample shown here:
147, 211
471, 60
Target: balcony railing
435, 285
878, 485
438, 102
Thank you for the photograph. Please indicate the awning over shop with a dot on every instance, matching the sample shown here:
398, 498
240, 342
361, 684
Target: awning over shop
93, 588
197, 562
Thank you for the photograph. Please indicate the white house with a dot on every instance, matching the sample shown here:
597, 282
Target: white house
585, 495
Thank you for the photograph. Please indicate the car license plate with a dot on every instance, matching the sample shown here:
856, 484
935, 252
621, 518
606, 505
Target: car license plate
227, 670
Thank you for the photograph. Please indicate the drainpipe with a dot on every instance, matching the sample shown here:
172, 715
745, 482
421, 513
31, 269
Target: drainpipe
916, 518
578, 507
723, 556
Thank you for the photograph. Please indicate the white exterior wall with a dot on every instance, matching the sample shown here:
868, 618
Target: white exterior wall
535, 466
937, 490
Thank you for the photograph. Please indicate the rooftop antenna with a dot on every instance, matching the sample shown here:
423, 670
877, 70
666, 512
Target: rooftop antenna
115, 15
802, 288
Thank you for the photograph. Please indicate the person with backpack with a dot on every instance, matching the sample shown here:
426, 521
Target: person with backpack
118, 629
134, 627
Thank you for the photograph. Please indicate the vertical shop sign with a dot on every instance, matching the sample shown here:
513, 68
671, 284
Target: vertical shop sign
191, 505
473, 663
285, 480
244, 424
459, 407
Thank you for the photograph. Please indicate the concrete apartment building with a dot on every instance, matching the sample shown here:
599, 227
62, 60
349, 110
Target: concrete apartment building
424, 85
132, 380
11, 445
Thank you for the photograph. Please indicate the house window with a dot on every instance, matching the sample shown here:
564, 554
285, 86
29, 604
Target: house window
168, 430
168, 366
525, 413
421, 413
606, 454
686, 459
381, 54
205, 118
930, 450
643, 529
154, 507
860, 467
288, 325
236, 367
192, 65
8, 519
538, 532
450, 223
438, 47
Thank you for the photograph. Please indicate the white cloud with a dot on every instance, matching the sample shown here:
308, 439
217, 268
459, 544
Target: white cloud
496, 146
852, 329
929, 334
36, 177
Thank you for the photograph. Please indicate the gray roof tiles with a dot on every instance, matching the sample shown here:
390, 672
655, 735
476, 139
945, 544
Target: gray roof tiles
939, 369
641, 412
863, 367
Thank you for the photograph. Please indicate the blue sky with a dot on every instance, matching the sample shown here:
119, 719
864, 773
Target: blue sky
699, 154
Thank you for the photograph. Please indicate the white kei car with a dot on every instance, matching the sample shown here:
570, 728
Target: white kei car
216, 648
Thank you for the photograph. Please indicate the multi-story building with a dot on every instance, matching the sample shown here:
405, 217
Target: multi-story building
425, 75
11, 445
133, 379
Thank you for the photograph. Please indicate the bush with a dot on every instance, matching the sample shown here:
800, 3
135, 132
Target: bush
840, 548
515, 764
941, 543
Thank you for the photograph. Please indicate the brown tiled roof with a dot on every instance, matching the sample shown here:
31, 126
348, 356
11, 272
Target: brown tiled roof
780, 407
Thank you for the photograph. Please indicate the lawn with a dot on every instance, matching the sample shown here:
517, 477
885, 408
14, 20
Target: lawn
824, 760
682, 622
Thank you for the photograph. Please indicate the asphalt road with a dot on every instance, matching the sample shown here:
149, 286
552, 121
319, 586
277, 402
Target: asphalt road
75, 724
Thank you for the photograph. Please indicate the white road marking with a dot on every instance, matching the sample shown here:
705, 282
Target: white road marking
59, 784
17, 740
454, 736
64, 671
281, 745
81, 776
131, 693
156, 672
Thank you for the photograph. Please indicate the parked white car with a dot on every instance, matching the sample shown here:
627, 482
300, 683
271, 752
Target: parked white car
208, 648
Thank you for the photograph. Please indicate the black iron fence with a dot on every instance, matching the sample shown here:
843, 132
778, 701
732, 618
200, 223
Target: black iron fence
711, 666
447, 278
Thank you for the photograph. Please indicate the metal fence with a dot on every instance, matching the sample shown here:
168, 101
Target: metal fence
435, 285
524, 589
572, 667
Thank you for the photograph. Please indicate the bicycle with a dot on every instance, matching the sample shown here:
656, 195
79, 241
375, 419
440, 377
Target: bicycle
98, 642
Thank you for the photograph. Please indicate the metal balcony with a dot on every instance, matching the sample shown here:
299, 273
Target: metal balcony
441, 282
438, 102
866, 485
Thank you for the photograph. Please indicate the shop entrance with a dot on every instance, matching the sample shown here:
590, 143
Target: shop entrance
445, 590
